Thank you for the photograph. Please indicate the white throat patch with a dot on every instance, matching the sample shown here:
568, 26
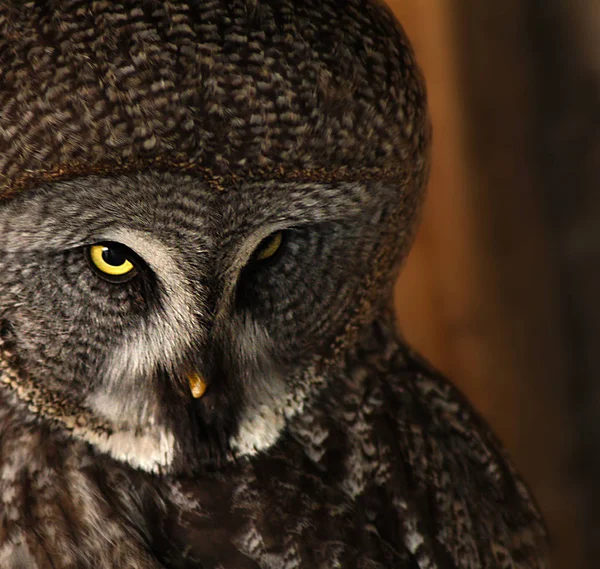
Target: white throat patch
151, 450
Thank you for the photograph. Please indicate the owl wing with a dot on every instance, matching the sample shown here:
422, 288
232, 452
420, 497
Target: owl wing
424, 473
429, 473
467, 502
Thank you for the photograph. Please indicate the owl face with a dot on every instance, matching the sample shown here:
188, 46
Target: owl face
115, 291
177, 320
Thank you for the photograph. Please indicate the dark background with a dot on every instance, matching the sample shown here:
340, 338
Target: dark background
502, 288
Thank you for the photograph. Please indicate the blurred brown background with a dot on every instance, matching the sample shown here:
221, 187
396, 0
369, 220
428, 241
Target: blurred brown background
502, 288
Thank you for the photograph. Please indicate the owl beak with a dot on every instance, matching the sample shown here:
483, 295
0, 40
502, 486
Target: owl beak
197, 385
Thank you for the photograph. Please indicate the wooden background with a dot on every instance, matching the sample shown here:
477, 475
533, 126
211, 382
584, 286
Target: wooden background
481, 295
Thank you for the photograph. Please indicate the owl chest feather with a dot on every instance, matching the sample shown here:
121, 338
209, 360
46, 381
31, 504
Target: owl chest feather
387, 467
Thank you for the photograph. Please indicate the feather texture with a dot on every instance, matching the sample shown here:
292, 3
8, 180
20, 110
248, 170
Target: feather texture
188, 132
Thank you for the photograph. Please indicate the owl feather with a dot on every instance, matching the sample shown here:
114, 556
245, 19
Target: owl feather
204, 206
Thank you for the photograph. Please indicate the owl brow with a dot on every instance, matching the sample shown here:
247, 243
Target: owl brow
310, 203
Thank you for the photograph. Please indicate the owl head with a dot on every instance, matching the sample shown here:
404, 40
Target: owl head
203, 204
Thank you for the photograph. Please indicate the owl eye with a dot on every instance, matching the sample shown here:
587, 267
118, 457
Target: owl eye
112, 261
269, 247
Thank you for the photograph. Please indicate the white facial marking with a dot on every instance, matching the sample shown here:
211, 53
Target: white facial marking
152, 450
258, 431
262, 417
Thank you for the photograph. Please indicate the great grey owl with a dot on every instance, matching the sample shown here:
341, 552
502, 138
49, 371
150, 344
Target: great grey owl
204, 207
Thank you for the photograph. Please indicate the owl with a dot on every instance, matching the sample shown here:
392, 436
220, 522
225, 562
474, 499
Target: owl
204, 205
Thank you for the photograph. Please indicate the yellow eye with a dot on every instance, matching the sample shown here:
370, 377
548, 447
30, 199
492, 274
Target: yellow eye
269, 246
111, 261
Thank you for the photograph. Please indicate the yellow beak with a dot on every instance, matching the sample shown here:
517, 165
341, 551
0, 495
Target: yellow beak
197, 385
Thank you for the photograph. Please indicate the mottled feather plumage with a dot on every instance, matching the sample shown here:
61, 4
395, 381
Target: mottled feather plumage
190, 132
